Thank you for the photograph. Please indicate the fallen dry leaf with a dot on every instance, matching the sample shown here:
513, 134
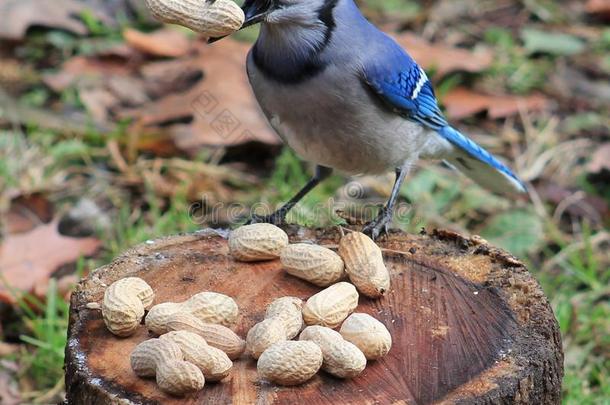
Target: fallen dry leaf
26, 212
220, 110
462, 103
599, 8
600, 160
6, 349
445, 59
171, 76
98, 102
104, 84
16, 17
28, 259
166, 42
201, 99
85, 69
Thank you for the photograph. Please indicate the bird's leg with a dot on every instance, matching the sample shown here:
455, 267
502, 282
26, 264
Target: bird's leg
279, 216
384, 218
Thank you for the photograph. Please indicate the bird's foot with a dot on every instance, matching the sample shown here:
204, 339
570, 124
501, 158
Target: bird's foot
379, 224
278, 218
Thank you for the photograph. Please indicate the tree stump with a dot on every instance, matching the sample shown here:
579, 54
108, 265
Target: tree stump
469, 323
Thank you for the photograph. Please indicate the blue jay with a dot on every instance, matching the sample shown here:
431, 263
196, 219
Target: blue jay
346, 96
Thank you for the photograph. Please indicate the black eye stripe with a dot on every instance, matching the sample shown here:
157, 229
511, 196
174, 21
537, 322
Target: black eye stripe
325, 14
309, 67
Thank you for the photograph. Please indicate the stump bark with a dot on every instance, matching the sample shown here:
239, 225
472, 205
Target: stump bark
470, 325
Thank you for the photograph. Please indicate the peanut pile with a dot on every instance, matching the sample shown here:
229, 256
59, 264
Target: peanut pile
295, 340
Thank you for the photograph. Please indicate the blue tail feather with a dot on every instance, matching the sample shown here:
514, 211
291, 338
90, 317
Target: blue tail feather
471, 149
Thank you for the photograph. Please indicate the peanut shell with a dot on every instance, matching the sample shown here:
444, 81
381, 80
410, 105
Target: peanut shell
290, 311
211, 307
213, 363
177, 377
368, 334
124, 305
364, 264
342, 359
257, 242
331, 306
290, 362
263, 335
208, 307
213, 19
148, 355
313, 263
217, 336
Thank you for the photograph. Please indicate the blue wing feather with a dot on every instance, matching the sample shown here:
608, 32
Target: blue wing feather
405, 88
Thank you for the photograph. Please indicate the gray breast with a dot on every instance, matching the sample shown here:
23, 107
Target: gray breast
333, 120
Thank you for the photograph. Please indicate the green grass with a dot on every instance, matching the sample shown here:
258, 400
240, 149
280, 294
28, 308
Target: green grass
44, 326
130, 230
579, 294
514, 69
46, 323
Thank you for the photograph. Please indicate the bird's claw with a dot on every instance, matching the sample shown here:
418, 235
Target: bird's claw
278, 218
379, 224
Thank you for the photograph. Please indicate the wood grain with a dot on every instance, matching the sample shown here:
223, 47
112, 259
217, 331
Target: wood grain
469, 325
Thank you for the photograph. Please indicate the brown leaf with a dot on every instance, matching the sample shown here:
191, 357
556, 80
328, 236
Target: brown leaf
28, 259
83, 69
462, 103
104, 84
98, 102
203, 99
220, 111
17, 16
171, 76
601, 159
443, 58
7, 349
129, 90
165, 42
599, 8
28, 211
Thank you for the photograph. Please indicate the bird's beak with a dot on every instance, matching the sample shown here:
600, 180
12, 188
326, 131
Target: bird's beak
255, 12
